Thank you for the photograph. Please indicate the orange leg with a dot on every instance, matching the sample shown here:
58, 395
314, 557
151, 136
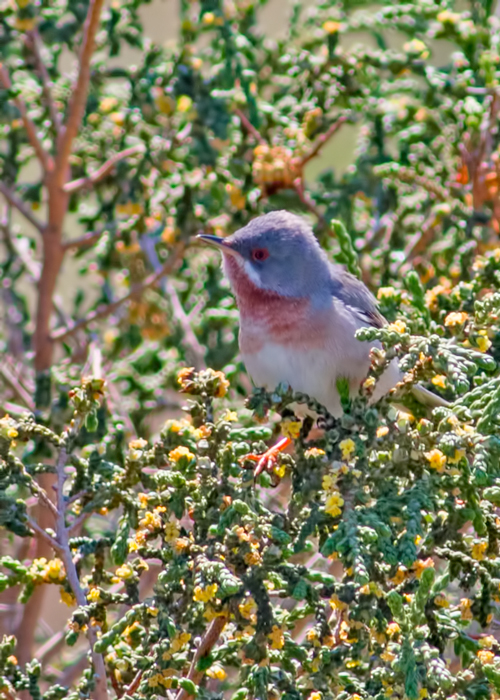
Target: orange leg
267, 461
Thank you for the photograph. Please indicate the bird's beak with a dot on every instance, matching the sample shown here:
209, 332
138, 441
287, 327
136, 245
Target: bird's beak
220, 243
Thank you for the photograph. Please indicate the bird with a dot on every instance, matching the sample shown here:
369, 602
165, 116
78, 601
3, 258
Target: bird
299, 312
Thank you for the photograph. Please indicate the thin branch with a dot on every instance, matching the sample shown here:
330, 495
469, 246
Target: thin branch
33, 42
79, 92
18, 203
321, 140
16, 387
101, 691
73, 528
206, 645
306, 200
134, 684
45, 535
194, 349
249, 126
104, 170
42, 155
62, 333
83, 241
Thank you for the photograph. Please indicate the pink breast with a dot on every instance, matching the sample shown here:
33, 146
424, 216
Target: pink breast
268, 316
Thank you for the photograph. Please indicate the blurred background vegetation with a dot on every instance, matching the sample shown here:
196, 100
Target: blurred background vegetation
128, 127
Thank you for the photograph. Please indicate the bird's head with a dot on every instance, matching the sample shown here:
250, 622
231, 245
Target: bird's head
276, 252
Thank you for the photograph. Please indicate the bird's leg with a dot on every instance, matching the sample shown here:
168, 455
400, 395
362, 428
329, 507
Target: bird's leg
268, 460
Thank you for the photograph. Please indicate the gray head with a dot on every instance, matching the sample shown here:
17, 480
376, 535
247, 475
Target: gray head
277, 252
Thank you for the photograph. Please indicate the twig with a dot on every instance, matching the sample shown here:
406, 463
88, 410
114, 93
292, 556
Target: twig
86, 240
104, 170
18, 203
33, 42
16, 387
50, 647
134, 684
321, 140
101, 691
62, 333
50, 540
207, 643
306, 200
42, 155
249, 126
77, 522
194, 350
79, 92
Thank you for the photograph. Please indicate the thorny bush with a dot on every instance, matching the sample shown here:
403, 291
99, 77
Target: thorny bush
367, 565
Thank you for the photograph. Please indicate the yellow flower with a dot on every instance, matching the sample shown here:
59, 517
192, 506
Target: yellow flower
479, 550
230, 416
398, 326
382, 431
252, 558
437, 459
184, 103
216, 671
386, 293
486, 657
124, 572
314, 696
107, 104
179, 453
314, 452
291, 428
439, 380
94, 596
347, 448
247, 609
448, 16
203, 595
387, 656
333, 504
138, 444
400, 575
277, 638
171, 532
441, 601
487, 642
456, 457
421, 564
67, 598
418, 47
455, 318
392, 629
151, 521
337, 604
329, 482
331, 27
483, 342
465, 608
181, 544
54, 571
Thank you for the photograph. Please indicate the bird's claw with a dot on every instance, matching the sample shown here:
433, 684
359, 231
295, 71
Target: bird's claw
268, 461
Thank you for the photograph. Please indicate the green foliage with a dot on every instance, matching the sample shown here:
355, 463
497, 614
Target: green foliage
365, 563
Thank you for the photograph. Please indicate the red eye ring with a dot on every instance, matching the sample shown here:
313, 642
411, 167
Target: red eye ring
260, 254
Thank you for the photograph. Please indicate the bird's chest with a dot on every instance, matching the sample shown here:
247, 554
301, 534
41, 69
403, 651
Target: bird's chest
308, 348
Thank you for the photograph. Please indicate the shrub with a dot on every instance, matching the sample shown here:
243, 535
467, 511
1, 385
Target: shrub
366, 564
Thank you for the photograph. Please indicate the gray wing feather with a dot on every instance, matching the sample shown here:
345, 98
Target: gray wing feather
354, 294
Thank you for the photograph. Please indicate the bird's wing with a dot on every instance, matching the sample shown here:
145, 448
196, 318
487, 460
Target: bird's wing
355, 295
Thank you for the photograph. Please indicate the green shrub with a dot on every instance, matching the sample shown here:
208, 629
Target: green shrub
366, 565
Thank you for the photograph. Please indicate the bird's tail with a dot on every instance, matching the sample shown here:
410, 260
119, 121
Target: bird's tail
427, 398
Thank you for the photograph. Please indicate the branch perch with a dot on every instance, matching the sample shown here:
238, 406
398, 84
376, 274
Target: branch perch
21, 207
62, 333
207, 643
42, 155
33, 42
79, 92
100, 173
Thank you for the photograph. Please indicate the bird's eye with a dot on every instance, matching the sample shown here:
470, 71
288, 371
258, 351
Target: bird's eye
260, 254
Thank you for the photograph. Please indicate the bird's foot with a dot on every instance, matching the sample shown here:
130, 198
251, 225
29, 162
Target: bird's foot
269, 460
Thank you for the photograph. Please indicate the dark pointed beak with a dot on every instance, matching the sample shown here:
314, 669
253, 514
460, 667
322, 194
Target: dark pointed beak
218, 242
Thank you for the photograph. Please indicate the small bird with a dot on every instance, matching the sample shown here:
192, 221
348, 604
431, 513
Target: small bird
299, 313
